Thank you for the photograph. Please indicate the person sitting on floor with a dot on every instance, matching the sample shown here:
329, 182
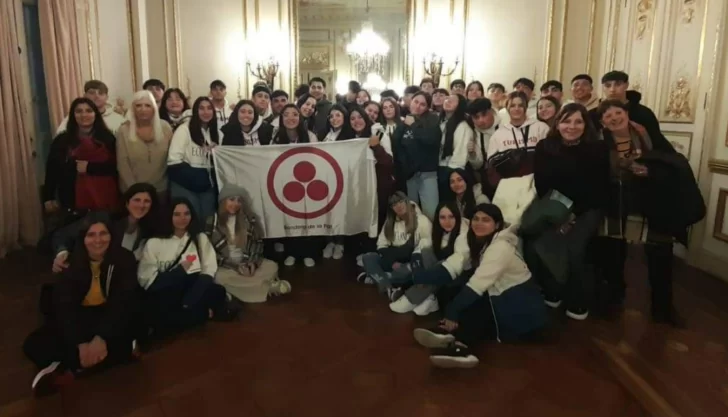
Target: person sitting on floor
447, 257
405, 234
93, 307
177, 270
235, 234
465, 193
131, 230
495, 300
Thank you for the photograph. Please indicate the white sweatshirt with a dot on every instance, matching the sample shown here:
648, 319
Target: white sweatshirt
481, 139
460, 258
387, 132
462, 136
331, 136
423, 234
112, 119
508, 137
183, 149
501, 266
531, 111
159, 254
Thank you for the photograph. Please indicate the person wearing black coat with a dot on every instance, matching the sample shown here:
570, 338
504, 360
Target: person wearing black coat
654, 199
92, 319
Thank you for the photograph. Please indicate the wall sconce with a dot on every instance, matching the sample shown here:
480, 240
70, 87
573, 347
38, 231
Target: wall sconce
266, 71
433, 65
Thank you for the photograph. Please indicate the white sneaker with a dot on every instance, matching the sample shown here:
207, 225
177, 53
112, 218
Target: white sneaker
309, 262
430, 305
338, 251
577, 314
402, 305
365, 279
279, 287
329, 250
290, 261
359, 261
278, 247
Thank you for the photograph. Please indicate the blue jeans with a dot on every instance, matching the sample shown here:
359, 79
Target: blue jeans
375, 268
422, 189
202, 203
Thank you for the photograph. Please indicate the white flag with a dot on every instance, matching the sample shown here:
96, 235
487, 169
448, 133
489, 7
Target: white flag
308, 189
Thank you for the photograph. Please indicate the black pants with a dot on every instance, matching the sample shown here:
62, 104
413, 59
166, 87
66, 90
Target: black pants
476, 323
166, 313
578, 290
611, 260
49, 344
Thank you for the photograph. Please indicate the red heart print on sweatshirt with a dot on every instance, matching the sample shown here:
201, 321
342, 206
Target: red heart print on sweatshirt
190, 258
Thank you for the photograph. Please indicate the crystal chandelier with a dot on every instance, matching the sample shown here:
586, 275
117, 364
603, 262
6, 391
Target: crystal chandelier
368, 50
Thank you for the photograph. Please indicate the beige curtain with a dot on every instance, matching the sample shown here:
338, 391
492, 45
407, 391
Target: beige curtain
20, 216
61, 57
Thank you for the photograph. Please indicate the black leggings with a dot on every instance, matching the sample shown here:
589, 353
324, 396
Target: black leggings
49, 344
165, 312
476, 323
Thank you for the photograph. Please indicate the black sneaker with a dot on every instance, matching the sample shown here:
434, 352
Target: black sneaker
552, 302
50, 379
433, 338
456, 355
577, 313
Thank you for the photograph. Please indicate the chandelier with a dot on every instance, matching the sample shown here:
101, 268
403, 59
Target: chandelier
368, 50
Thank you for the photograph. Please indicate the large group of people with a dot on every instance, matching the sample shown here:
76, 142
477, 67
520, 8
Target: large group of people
492, 206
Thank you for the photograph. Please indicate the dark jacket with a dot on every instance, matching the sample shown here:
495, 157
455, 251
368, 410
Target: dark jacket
322, 115
65, 239
416, 148
580, 172
233, 136
642, 115
60, 175
385, 175
671, 199
119, 285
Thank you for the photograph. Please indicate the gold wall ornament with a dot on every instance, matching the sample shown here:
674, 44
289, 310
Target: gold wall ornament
120, 106
644, 10
315, 60
678, 102
688, 10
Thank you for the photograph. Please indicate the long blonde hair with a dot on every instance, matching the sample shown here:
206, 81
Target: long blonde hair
144, 95
242, 225
410, 221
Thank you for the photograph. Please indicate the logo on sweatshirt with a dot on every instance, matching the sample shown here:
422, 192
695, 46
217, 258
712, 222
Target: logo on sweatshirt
305, 182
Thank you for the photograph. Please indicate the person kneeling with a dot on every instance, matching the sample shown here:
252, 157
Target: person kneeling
405, 234
443, 262
177, 270
496, 300
93, 306
235, 235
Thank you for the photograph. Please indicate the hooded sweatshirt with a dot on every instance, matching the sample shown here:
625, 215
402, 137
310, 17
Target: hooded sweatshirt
502, 275
422, 235
160, 254
509, 137
189, 164
482, 141
462, 136
223, 114
417, 147
460, 258
177, 121
260, 134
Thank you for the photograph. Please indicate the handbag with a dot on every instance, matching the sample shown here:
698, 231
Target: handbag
508, 163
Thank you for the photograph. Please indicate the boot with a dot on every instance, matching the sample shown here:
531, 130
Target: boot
659, 270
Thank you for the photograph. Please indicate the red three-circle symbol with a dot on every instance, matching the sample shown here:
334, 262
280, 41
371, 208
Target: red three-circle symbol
304, 183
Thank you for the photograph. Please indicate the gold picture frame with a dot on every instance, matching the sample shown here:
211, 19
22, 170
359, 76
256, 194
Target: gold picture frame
681, 141
720, 215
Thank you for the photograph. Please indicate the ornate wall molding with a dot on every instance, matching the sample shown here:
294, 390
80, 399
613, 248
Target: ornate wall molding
644, 20
720, 215
679, 107
687, 10
718, 166
681, 141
